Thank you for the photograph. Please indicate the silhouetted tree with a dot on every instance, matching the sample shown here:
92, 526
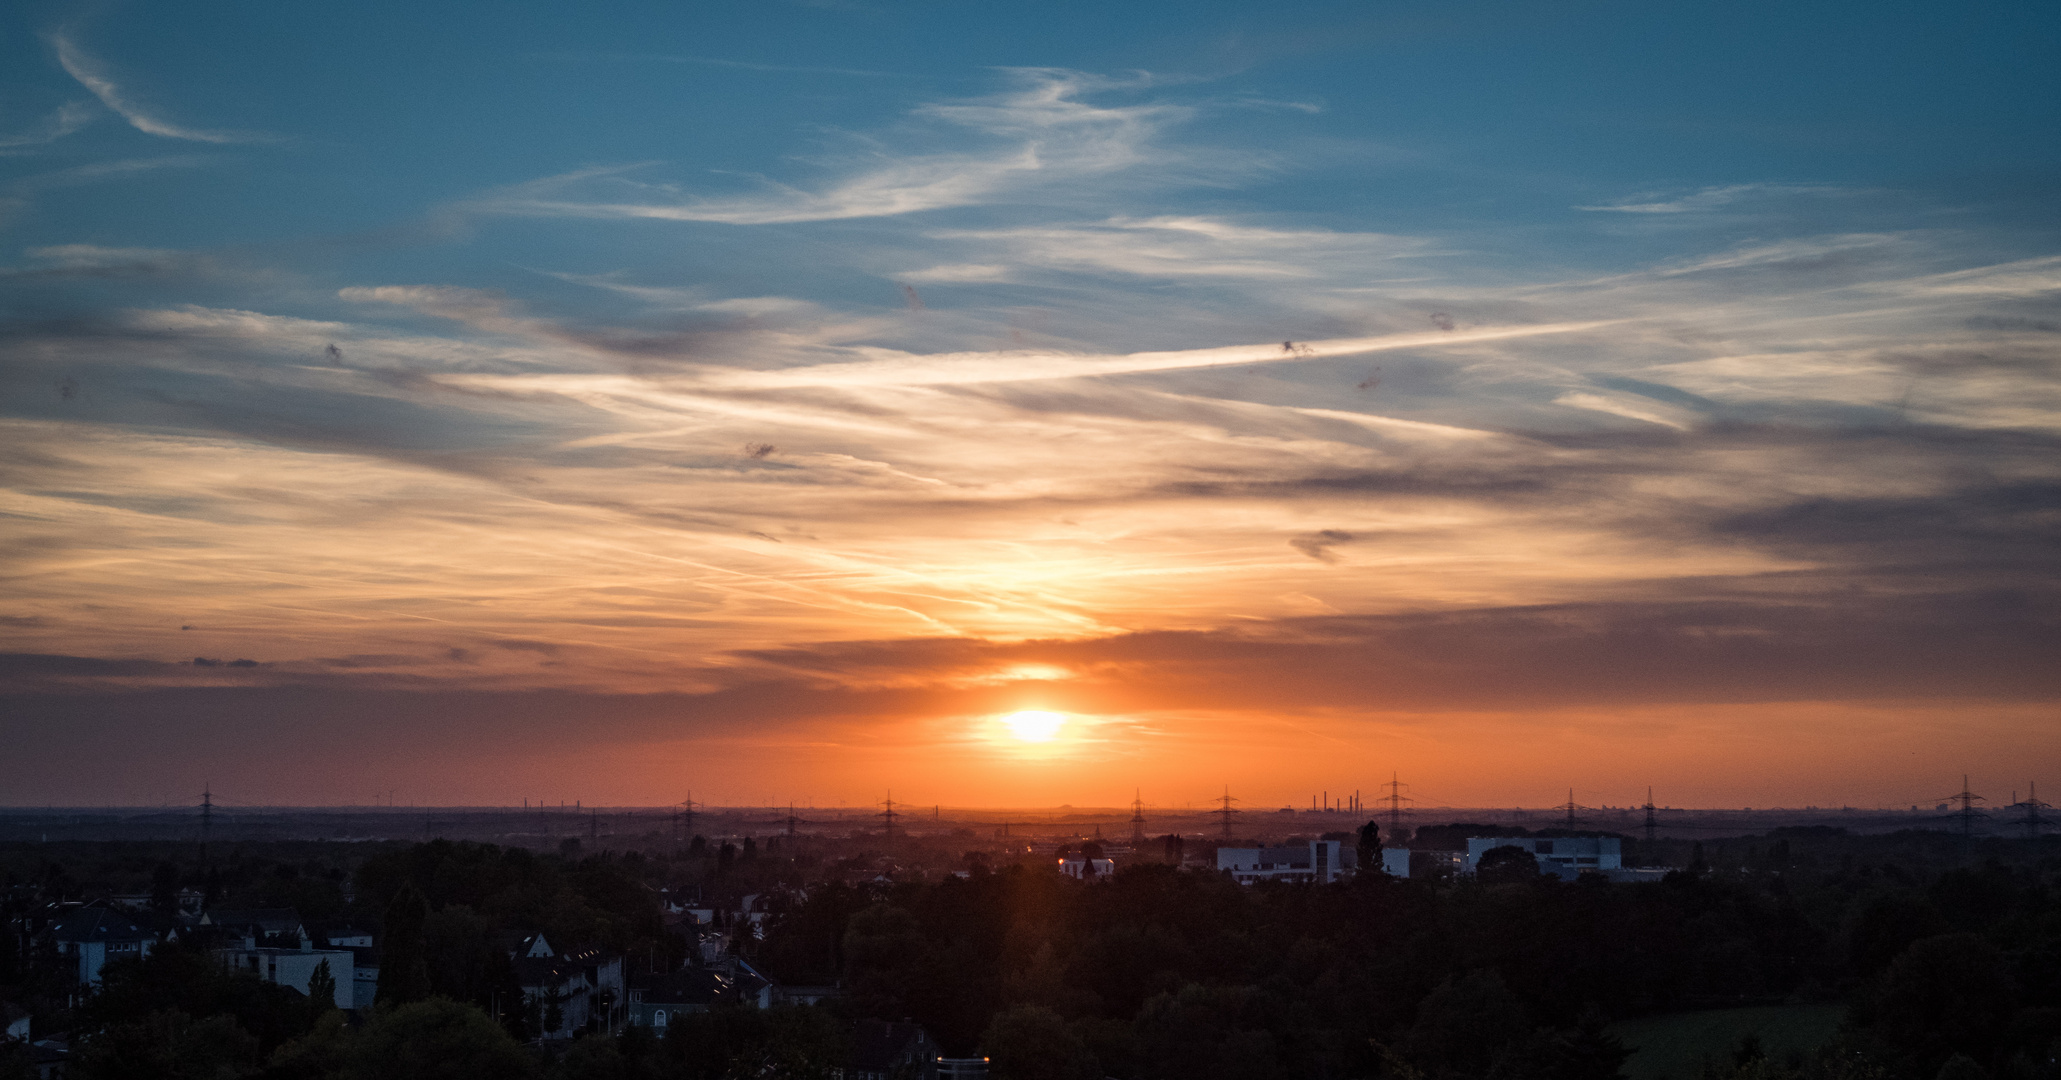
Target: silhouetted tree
1505, 865
403, 967
1031, 1042
1368, 847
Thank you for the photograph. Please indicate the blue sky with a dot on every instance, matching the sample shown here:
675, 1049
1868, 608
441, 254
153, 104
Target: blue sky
850, 374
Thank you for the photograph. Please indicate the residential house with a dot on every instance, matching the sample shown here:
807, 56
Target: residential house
276, 928
1081, 866
297, 967
657, 1000
14, 1021
92, 937
577, 989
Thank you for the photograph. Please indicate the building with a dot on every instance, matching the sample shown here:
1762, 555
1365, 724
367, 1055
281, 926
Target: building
657, 1000
1564, 857
93, 937
14, 1022
1411, 863
297, 967
277, 928
1320, 861
576, 989
888, 1051
1081, 866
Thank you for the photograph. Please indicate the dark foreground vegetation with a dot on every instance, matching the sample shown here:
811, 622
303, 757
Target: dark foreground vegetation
1945, 959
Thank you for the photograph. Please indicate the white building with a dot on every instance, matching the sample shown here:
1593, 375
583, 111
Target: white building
91, 937
1321, 861
1395, 861
296, 968
1080, 866
1561, 856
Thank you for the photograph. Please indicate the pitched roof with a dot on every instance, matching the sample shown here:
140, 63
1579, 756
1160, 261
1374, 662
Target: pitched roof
694, 986
96, 924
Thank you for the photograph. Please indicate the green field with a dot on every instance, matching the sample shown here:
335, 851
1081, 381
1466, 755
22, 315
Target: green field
1675, 1046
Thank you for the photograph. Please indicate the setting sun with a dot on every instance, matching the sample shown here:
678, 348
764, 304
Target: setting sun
1034, 726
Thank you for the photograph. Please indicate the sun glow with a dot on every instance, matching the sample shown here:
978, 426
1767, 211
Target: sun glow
1034, 726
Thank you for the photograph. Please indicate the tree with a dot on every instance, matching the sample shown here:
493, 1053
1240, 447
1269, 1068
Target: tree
1506, 864
1031, 1042
437, 1039
403, 968
168, 1045
1369, 847
1945, 995
321, 990
164, 888
1469, 1026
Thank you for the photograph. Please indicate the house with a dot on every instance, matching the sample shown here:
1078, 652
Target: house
657, 1000
14, 1022
577, 989
364, 976
277, 928
340, 935
1319, 861
753, 987
1565, 857
891, 1051
91, 937
1081, 866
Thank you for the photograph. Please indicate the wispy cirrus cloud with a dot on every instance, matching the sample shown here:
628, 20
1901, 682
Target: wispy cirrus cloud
1043, 135
94, 76
67, 118
1707, 199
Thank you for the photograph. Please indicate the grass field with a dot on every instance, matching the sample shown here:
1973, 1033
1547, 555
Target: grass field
1675, 1046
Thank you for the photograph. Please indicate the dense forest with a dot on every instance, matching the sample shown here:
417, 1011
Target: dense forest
1946, 956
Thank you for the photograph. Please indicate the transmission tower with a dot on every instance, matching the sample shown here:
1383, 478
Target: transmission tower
685, 816
1395, 800
1967, 813
207, 819
1226, 811
1652, 822
1137, 817
1571, 806
2031, 807
887, 816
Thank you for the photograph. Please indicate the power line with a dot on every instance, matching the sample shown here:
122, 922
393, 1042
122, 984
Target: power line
1137, 816
888, 816
1226, 811
1395, 800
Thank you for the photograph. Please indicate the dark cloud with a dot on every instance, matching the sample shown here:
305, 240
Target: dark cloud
1318, 545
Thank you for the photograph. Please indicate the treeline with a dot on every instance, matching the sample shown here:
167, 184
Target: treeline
1164, 974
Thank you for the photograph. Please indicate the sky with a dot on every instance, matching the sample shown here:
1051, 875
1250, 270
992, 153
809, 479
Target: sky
627, 402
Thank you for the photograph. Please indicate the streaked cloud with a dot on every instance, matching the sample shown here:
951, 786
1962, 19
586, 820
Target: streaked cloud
1043, 134
94, 75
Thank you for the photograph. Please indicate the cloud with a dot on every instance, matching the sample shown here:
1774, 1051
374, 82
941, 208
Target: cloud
1318, 545
93, 75
1042, 135
1708, 199
68, 117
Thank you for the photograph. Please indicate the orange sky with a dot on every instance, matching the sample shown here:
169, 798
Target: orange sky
1748, 492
